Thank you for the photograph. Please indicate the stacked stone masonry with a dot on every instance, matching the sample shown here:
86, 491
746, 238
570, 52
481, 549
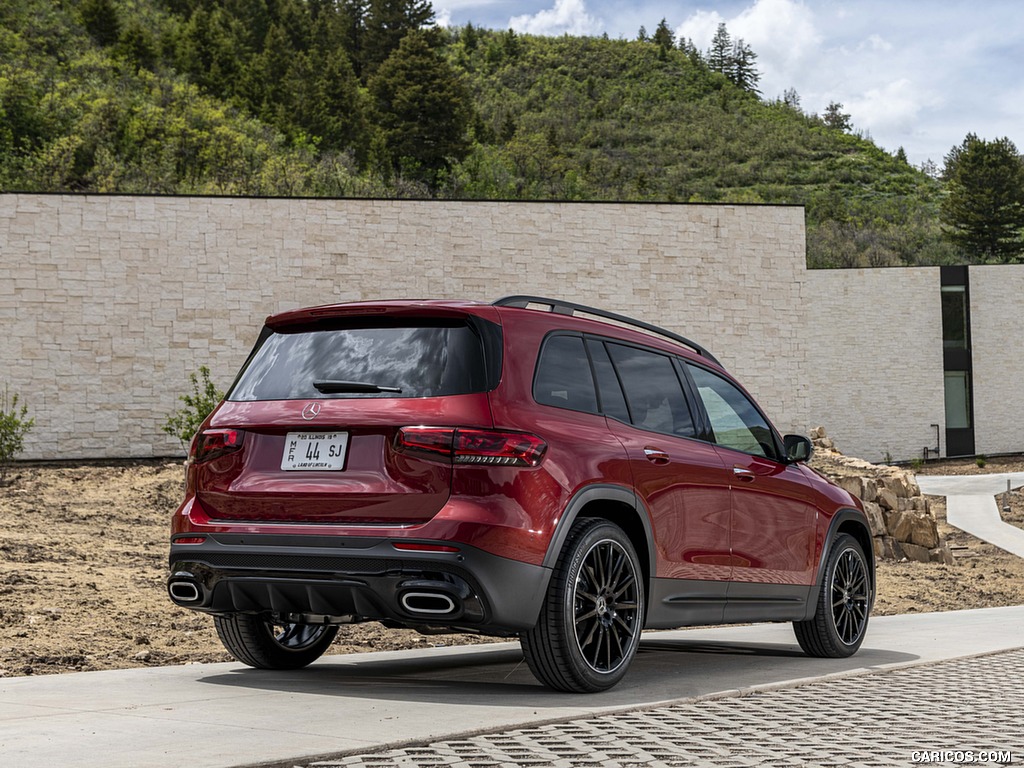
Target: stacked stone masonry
901, 520
108, 303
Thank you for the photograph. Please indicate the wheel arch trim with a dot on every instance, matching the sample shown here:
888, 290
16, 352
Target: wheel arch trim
598, 493
843, 516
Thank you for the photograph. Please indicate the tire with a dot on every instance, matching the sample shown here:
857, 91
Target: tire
592, 615
266, 645
844, 601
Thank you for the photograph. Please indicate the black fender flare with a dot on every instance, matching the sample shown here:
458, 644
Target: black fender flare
593, 493
844, 515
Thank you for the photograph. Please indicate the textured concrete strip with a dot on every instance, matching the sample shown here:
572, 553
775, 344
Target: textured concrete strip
971, 506
967, 707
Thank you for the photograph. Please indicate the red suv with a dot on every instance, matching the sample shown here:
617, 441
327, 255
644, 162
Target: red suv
530, 467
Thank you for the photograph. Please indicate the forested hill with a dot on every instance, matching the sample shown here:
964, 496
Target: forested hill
364, 98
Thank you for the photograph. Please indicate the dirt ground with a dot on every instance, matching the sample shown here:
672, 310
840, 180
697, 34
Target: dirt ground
83, 557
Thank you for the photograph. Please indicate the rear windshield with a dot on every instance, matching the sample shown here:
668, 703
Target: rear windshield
428, 360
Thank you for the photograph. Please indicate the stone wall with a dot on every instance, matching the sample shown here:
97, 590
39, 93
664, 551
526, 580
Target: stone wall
903, 526
997, 354
874, 341
107, 303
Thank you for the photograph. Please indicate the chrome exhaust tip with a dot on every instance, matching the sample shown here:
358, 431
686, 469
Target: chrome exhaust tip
429, 603
184, 591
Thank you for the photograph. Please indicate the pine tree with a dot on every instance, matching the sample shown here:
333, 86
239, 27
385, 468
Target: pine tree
641, 35
101, 21
719, 56
422, 108
742, 70
983, 211
834, 117
664, 37
386, 23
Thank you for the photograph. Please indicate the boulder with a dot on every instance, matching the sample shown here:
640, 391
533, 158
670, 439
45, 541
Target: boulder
876, 518
923, 531
916, 553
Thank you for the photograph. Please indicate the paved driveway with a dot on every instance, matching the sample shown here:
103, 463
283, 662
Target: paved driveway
226, 714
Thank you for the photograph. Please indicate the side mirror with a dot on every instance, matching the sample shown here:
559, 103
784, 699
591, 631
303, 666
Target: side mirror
798, 448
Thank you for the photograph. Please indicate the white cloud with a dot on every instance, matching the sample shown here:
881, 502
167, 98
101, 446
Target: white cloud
782, 33
567, 16
892, 108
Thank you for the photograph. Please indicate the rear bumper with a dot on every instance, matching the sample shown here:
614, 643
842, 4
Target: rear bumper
355, 578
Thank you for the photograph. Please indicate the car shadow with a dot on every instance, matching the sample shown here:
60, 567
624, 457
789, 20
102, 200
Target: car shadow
498, 676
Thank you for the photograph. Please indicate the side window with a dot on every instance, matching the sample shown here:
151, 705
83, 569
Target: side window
734, 419
563, 376
612, 402
653, 391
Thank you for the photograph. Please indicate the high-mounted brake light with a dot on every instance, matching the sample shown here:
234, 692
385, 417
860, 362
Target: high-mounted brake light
213, 443
473, 446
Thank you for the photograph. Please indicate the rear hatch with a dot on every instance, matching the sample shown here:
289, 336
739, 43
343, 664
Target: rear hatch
320, 406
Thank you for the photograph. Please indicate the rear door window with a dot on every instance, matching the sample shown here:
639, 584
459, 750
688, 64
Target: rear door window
428, 360
653, 391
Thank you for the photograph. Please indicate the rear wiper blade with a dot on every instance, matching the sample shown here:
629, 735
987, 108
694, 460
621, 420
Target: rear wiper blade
331, 387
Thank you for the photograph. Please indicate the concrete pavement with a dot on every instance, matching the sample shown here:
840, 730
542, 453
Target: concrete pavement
971, 506
226, 714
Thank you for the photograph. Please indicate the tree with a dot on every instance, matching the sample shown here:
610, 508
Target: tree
642, 36
664, 37
719, 56
101, 21
834, 117
423, 110
742, 70
386, 23
983, 211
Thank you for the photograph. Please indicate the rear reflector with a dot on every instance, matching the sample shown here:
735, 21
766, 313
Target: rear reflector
412, 546
189, 540
473, 446
213, 443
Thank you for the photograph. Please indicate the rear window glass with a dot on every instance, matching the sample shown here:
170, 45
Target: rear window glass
419, 361
563, 376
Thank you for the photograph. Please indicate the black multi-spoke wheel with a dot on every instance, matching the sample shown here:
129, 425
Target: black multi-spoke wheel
592, 616
844, 602
265, 644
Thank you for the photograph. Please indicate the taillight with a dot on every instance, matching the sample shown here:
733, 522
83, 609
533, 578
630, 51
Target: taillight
212, 443
473, 446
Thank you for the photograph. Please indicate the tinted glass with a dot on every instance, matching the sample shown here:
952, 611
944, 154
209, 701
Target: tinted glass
653, 391
422, 361
734, 419
954, 316
563, 375
958, 398
612, 402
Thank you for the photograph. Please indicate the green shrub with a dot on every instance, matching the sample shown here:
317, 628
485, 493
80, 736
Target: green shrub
185, 422
981, 460
13, 428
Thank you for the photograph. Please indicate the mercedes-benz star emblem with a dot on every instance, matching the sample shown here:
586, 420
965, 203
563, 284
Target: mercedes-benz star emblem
311, 411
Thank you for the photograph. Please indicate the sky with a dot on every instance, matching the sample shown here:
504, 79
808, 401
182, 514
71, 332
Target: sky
917, 74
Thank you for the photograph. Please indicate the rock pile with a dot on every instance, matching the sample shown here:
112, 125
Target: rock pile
901, 519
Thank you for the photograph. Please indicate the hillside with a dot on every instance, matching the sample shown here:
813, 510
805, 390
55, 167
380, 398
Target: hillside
302, 97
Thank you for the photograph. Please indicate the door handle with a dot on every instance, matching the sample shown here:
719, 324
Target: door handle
744, 474
656, 455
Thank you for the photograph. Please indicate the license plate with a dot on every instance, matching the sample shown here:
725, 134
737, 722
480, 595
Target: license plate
314, 450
